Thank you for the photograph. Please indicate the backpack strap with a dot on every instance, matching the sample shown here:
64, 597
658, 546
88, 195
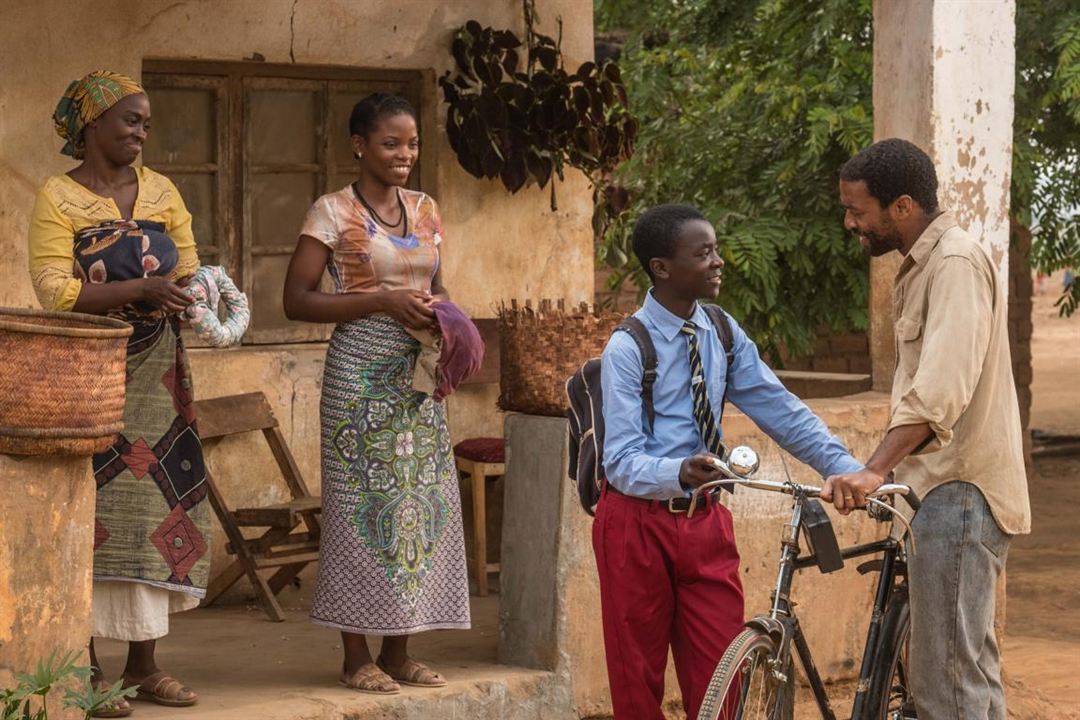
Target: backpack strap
635, 329
727, 340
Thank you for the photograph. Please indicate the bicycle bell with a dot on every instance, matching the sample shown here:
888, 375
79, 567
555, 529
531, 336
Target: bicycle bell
743, 461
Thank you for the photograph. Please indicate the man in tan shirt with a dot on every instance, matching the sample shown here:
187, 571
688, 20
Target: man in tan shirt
954, 433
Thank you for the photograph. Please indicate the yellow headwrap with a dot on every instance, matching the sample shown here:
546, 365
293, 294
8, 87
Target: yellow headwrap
84, 101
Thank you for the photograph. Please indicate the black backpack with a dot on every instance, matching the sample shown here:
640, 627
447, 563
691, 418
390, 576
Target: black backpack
586, 413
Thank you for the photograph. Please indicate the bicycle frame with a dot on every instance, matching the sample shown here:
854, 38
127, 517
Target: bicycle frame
783, 623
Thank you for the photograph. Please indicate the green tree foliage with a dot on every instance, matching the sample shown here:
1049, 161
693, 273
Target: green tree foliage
749, 107
747, 111
1046, 140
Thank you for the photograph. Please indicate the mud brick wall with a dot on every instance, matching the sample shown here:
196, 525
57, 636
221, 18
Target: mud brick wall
835, 353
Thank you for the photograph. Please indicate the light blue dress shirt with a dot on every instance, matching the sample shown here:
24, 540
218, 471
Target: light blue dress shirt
644, 461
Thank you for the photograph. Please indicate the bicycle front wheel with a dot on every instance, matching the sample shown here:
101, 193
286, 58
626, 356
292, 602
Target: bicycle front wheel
749, 684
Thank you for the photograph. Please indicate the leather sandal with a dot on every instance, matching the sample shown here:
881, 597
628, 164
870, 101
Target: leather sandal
413, 673
370, 679
163, 689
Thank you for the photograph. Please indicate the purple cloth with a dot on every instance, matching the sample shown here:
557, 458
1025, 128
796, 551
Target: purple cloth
462, 349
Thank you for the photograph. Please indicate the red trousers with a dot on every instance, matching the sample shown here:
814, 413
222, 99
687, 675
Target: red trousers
665, 580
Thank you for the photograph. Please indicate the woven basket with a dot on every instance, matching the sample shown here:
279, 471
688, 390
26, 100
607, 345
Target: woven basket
61, 382
540, 349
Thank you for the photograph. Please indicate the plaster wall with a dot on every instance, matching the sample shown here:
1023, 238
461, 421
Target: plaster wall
944, 78
550, 612
497, 246
46, 547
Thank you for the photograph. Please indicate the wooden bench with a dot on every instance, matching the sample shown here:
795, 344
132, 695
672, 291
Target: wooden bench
280, 545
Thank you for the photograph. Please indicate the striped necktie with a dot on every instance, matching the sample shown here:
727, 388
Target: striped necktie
703, 414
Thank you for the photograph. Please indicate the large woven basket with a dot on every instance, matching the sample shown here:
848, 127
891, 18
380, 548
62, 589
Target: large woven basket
61, 382
539, 349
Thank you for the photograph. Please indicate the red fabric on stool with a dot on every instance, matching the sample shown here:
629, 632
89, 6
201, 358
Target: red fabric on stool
487, 450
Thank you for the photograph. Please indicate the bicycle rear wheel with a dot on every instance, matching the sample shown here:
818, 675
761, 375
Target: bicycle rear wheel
889, 697
748, 684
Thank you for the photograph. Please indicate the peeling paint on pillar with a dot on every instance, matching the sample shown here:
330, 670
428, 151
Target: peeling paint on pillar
943, 79
973, 105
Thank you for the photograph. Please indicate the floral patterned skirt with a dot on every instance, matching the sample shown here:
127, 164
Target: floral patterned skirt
392, 559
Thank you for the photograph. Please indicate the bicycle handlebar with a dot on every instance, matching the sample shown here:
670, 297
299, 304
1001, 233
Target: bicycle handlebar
904, 491
791, 488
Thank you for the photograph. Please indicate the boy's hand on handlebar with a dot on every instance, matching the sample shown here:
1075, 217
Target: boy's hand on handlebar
697, 470
849, 491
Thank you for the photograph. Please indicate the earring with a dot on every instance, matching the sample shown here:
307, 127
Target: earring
358, 155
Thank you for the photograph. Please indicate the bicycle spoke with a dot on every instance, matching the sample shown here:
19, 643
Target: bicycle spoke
744, 692
757, 691
753, 675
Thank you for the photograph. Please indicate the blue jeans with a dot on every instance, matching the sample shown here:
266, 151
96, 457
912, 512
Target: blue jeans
959, 555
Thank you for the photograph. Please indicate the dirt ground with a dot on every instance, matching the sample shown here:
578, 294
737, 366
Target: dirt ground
1055, 348
1042, 632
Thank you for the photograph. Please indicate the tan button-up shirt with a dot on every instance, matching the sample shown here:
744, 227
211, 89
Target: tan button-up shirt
954, 372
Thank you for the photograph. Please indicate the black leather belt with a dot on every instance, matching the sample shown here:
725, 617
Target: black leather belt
679, 505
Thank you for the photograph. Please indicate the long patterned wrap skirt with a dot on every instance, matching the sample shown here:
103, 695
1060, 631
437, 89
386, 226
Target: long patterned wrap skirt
152, 527
153, 518
392, 559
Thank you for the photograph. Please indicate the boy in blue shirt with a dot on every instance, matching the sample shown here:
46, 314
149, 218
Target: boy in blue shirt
665, 579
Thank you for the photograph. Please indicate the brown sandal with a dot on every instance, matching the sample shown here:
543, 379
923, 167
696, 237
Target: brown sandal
163, 689
414, 673
370, 679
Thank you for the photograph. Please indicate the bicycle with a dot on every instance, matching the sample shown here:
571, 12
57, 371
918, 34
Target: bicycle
755, 677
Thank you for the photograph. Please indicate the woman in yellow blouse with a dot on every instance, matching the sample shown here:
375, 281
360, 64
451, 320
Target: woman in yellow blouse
111, 239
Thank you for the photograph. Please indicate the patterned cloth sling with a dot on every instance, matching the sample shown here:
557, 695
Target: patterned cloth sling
153, 519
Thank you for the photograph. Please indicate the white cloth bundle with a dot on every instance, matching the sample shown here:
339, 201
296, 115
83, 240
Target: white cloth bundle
208, 287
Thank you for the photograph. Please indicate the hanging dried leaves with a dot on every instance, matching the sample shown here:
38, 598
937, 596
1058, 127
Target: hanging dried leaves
516, 114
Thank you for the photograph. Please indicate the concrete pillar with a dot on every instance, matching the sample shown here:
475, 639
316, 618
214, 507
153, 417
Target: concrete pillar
549, 605
943, 79
46, 559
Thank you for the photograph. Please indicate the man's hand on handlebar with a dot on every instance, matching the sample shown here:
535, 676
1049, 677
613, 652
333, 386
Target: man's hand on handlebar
849, 491
697, 470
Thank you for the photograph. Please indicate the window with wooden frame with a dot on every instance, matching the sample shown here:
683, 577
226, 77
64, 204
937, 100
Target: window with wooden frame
251, 146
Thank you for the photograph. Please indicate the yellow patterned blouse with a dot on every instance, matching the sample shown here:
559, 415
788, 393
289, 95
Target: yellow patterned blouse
64, 207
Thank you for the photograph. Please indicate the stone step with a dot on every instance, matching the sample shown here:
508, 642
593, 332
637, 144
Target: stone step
245, 667
476, 692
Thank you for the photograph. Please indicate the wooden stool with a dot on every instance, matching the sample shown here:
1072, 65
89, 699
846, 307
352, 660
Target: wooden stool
482, 459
